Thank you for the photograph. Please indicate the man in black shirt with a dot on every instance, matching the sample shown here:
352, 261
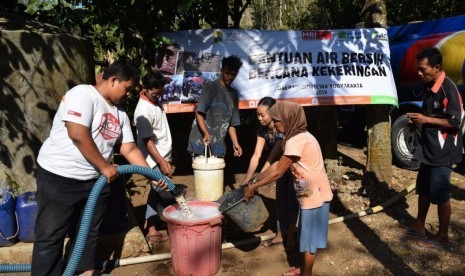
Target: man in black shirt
440, 145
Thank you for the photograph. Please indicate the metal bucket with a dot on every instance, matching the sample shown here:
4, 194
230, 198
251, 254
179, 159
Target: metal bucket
248, 216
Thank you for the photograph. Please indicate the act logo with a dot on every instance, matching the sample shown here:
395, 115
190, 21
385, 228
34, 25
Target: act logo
109, 126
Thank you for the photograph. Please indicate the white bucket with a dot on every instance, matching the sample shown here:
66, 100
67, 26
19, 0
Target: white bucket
208, 177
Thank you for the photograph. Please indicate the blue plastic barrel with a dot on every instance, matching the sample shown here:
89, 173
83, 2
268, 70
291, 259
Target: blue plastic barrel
7, 218
26, 209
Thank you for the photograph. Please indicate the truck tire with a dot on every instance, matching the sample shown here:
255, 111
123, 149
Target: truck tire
404, 139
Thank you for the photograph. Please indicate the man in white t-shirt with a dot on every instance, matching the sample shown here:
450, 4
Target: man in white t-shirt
154, 140
87, 128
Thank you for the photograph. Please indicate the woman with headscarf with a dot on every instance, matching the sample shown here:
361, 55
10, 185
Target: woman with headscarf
302, 155
286, 202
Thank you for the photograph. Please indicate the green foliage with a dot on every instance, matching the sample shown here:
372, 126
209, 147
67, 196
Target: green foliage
129, 28
403, 12
117, 28
305, 14
264, 15
337, 14
329, 14
58, 13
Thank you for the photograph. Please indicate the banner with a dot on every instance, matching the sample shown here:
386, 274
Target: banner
328, 67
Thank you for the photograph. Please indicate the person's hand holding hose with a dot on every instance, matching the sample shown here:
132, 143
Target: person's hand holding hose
159, 185
110, 172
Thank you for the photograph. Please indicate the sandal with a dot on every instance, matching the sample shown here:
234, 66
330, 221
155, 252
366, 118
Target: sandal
156, 238
270, 243
427, 243
294, 271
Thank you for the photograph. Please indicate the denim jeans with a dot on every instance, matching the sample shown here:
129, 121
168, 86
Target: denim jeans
61, 203
434, 182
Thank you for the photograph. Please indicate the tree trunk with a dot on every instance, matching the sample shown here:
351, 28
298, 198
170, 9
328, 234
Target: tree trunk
237, 12
379, 161
219, 17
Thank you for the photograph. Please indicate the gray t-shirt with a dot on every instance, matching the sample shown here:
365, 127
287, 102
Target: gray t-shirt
220, 105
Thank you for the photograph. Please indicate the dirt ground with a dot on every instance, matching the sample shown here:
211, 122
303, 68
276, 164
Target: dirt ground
370, 245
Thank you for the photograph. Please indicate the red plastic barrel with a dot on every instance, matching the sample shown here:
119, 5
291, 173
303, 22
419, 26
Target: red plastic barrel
195, 245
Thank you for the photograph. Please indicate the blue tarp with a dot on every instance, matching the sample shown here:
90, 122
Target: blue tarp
415, 31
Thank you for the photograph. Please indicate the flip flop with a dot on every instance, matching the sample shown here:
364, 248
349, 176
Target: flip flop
270, 243
433, 244
410, 232
294, 271
157, 238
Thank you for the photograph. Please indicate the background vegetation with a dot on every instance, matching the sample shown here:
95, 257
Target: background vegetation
130, 27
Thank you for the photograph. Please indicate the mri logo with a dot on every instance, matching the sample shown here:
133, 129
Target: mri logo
217, 36
312, 35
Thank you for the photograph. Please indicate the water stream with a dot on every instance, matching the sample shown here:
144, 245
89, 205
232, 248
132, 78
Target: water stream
185, 209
